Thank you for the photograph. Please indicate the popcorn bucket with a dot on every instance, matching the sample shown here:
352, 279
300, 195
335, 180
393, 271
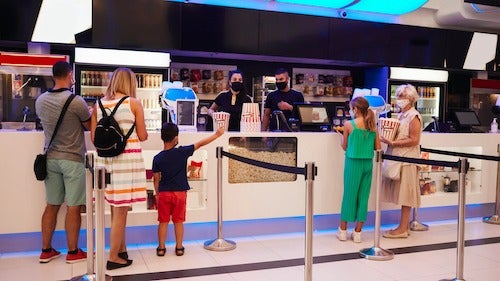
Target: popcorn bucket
250, 126
250, 118
249, 108
388, 127
220, 119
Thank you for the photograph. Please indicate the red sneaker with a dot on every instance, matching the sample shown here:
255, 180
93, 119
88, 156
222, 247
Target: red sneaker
78, 257
45, 257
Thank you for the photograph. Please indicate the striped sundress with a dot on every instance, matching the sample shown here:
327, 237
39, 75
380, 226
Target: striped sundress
128, 175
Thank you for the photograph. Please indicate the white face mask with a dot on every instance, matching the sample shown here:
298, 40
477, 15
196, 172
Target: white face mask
402, 103
351, 113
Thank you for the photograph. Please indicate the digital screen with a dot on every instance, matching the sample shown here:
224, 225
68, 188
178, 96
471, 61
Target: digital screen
186, 112
467, 118
313, 115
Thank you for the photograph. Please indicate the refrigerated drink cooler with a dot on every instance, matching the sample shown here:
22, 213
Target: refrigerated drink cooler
431, 86
94, 68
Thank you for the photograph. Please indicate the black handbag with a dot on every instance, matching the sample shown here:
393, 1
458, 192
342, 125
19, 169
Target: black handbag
40, 164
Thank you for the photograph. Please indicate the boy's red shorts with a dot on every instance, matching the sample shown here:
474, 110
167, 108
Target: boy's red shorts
172, 204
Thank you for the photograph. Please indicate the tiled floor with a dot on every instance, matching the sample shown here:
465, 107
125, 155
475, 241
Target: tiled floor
280, 257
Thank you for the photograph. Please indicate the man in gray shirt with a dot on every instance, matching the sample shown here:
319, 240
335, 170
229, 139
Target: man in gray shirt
65, 162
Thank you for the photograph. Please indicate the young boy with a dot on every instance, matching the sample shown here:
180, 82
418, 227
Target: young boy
171, 183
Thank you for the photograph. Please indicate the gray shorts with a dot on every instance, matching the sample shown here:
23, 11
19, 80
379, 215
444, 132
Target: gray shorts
65, 182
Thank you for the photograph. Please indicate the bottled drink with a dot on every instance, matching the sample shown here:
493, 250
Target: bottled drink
84, 78
98, 79
91, 79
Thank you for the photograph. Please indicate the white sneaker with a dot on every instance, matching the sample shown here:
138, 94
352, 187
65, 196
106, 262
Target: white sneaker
356, 236
342, 234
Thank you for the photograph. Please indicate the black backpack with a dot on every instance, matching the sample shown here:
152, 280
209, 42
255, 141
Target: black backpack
109, 140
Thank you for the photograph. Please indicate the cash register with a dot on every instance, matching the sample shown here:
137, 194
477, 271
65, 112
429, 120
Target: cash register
313, 117
466, 121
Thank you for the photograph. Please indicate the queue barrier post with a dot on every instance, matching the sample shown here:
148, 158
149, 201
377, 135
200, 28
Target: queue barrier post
89, 209
495, 218
415, 224
461, 222
96, 177
219, 243
376, 252
308, 258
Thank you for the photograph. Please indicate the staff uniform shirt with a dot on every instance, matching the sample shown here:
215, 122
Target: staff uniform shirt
223, 101
278, 96
172, 164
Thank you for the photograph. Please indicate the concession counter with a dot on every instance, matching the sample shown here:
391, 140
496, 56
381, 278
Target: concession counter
256, 201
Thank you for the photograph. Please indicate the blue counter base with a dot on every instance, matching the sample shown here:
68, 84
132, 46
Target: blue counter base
22, 242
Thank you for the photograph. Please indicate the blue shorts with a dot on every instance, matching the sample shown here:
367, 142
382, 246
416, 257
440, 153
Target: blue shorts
65, 182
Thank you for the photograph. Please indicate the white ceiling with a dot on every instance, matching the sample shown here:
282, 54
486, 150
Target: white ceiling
455, 14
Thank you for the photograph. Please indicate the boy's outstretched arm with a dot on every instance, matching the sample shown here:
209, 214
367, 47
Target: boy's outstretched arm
209, 139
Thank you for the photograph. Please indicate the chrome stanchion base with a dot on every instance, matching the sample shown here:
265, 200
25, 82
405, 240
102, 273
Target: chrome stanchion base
376, 253
220, 245
90, 277
495, 219
418, 226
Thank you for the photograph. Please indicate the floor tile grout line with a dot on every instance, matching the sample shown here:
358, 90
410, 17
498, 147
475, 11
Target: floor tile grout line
226, 269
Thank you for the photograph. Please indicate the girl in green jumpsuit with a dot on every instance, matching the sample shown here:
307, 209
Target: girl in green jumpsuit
359, 140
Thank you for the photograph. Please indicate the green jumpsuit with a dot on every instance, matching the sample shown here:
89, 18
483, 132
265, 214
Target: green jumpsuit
357, 174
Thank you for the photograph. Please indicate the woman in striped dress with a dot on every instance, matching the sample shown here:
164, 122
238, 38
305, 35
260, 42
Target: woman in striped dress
128, 176
359, 140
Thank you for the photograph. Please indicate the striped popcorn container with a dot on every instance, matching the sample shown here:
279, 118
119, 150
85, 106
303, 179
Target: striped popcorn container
388, 127
250, 118
220, 119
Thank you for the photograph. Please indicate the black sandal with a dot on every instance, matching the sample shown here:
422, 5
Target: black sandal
179, 251
160, 252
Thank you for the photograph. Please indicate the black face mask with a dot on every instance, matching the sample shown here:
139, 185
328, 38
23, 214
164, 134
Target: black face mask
237, 86
281, 85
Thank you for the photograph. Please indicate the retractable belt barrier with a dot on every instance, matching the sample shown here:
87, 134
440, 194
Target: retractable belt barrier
462, 165
309, 172
494, 219
462, 154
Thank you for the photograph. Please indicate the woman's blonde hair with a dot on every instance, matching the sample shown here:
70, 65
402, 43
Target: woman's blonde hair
122, 81
364, 108
409, 91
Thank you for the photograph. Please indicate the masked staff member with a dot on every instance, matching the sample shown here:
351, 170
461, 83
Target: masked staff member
281, 99
231, 101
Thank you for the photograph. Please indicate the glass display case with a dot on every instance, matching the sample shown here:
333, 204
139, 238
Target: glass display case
197, 173
275, 150
435, 180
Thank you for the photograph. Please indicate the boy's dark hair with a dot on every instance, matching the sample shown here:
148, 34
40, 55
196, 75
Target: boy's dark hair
60, 69
169, 131
280, 71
